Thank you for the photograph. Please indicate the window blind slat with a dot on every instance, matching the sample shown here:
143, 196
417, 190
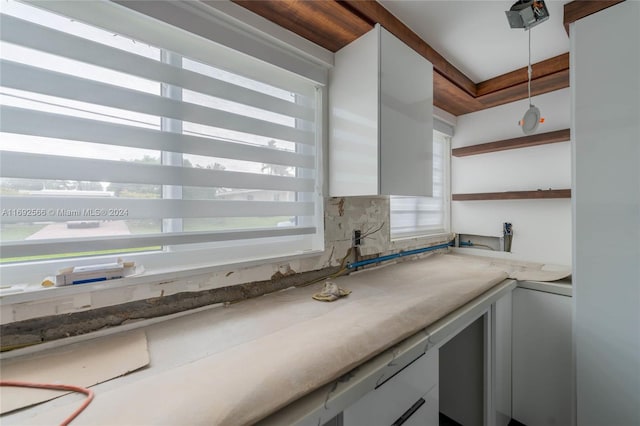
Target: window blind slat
20, 121
152, 31
66, 208
42, 166
27, 34
33, 79
74, 245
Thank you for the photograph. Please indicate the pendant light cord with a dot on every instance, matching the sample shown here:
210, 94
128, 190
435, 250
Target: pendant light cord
529, 68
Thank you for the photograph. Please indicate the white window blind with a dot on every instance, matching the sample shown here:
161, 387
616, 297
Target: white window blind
120, 144
417, 216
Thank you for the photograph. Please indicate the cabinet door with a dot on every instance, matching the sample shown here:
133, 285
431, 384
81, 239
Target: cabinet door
380, 119
541, 358
353, 118
406, 119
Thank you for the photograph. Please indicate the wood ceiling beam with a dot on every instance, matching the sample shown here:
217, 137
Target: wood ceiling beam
548, 76
451, 98
539, 86
578, 9
541, 69
325, 23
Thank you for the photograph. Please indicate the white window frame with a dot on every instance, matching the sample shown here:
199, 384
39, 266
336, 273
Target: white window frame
235, 35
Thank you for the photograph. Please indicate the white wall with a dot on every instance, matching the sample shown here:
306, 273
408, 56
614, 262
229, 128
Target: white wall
542, 228
605, 77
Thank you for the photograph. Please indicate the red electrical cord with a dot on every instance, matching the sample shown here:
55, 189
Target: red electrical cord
71, 388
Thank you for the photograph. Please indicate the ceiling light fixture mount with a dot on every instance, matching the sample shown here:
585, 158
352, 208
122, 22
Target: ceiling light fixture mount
527, 14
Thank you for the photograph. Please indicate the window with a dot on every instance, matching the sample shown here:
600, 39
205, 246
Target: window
140, 146
419, 216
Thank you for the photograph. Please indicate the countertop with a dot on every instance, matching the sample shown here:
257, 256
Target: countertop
240, 363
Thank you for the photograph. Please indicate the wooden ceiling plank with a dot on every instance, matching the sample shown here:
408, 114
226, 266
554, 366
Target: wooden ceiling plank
452, 98
375, 12
513, 78
539, 86
325, 23
578, 9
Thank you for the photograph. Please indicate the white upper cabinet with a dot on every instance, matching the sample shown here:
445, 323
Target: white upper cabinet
381, 119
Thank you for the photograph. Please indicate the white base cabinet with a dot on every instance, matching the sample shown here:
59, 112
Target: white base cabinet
410, 397
542, 364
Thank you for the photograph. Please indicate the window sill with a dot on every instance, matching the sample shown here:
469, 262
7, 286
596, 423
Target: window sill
23, 301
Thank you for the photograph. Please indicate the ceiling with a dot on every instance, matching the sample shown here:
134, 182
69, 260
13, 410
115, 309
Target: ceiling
479, 61
475, 37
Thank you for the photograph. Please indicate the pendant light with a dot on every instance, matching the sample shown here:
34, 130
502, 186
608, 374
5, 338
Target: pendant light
526, 14
531, 118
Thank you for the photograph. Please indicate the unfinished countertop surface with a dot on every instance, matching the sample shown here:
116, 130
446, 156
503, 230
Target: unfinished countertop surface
237, 364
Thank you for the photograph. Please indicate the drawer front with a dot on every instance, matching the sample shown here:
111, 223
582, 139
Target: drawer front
428, 413
389, 401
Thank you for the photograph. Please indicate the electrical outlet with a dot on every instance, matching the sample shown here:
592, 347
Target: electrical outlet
357, 237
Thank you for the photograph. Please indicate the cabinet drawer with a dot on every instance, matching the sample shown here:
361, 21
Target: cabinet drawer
390, 400
427, 414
